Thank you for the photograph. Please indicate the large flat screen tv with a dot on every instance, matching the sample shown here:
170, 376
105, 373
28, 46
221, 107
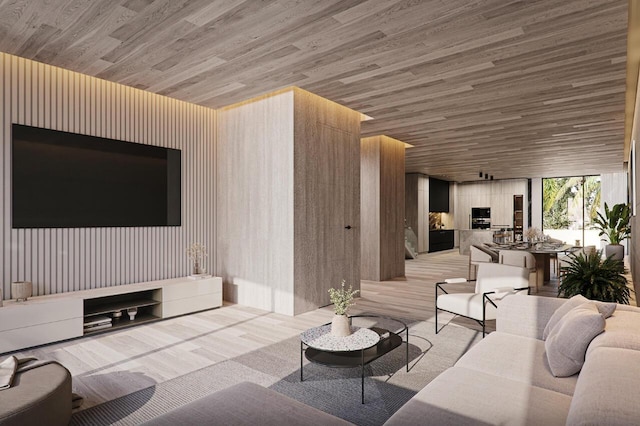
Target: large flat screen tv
68, 180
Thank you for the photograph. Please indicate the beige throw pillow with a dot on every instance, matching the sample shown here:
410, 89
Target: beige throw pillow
567, 342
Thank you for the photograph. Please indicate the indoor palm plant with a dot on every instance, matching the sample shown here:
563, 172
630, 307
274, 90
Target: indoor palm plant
615, 225
342, 300
595, 278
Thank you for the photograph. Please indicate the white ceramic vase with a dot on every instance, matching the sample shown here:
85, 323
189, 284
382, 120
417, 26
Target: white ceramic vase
340, 326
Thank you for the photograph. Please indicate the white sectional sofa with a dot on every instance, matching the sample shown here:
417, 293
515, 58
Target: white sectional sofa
505, 379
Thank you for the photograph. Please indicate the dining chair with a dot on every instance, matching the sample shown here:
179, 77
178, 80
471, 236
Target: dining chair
564, 259
520, 258
478, 255
493, 283
554, 256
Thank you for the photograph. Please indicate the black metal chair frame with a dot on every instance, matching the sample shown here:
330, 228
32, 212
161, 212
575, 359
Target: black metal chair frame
485, 299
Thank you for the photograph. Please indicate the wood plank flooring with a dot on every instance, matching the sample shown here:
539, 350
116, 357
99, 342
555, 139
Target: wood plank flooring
113, 364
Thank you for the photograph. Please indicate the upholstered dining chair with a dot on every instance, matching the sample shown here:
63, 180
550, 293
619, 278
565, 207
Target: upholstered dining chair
478, 255
520, 258
565, 259
494, 282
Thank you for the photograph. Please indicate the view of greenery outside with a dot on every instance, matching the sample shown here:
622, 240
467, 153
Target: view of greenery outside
569, 206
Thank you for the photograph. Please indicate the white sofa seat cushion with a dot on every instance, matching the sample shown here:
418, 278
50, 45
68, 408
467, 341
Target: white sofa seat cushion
622, 330
460, 396
517, 358
466, 304
606, 392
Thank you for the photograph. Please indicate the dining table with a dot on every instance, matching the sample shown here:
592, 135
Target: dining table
542, 251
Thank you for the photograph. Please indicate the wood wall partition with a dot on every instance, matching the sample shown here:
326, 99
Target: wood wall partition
383, 208
61, 260
288, 186
416, 196
497, 194
255, 203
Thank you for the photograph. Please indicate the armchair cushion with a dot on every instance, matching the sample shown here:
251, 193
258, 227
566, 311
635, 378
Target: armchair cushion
466, 304
567, 342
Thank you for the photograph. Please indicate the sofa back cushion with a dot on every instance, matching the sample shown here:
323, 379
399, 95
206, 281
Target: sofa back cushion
606, 391
567, 342
622, 330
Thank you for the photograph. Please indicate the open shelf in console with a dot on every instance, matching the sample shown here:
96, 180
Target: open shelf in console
111, 312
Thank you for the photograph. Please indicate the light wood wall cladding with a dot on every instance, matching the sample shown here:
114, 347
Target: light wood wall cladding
60, 260
382, 208
370, 213
518, 89
255, 203
417, 207
288, 185
497, 194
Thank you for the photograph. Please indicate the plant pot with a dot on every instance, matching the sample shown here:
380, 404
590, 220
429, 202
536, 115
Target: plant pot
615, 250
340, 326
21, 290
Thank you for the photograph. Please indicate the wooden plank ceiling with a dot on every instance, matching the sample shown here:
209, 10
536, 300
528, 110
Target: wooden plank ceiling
524, 88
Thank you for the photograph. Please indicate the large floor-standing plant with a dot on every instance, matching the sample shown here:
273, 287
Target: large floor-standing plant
614, 224
595, 278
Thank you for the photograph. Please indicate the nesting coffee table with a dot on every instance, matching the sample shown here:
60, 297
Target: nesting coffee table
362, 347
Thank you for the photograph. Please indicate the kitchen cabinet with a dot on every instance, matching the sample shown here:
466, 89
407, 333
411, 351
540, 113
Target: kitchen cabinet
438, 195
440, 240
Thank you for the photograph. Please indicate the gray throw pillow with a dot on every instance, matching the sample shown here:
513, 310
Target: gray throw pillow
562, 311
605, 308
567, 343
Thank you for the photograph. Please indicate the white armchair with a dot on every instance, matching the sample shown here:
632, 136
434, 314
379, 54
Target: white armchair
494, 281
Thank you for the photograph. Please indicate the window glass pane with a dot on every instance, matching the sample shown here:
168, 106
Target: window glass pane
568, 207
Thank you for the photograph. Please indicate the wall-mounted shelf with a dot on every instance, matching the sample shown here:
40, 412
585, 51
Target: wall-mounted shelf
46, 319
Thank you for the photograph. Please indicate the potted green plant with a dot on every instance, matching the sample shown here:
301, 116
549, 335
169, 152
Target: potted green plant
342, 300
615, 225
595, 278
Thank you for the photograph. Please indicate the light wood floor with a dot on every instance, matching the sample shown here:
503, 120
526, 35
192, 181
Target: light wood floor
113, 364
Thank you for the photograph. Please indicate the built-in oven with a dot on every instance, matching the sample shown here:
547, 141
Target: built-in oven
480, 217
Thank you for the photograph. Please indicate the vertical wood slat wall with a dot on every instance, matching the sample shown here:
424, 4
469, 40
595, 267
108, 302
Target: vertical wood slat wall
60, 260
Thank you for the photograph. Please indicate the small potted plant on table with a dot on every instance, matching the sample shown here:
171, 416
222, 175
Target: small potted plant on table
342, 299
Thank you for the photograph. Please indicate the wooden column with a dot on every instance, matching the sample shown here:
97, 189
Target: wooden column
382, 208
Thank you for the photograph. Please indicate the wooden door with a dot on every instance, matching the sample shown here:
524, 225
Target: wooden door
327, 214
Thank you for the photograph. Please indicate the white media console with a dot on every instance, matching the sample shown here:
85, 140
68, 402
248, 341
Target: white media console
47, 319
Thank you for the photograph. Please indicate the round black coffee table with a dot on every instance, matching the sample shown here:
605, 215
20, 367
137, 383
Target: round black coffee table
362, 347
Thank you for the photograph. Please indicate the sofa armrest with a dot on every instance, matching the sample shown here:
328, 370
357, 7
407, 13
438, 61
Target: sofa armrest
526, 316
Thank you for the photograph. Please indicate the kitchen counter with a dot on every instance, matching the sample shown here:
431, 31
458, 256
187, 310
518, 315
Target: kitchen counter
469, 237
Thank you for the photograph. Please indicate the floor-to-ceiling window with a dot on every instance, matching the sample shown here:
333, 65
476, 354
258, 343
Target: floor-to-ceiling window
569, 205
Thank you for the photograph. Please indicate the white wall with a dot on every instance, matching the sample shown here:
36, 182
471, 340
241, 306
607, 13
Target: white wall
60, 260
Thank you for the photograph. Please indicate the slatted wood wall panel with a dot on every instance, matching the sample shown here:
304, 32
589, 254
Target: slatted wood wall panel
61, 260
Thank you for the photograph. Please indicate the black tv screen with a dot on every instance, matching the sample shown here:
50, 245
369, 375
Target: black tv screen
68, 180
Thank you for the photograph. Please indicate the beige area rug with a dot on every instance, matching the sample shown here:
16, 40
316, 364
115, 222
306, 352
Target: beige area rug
388, 385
